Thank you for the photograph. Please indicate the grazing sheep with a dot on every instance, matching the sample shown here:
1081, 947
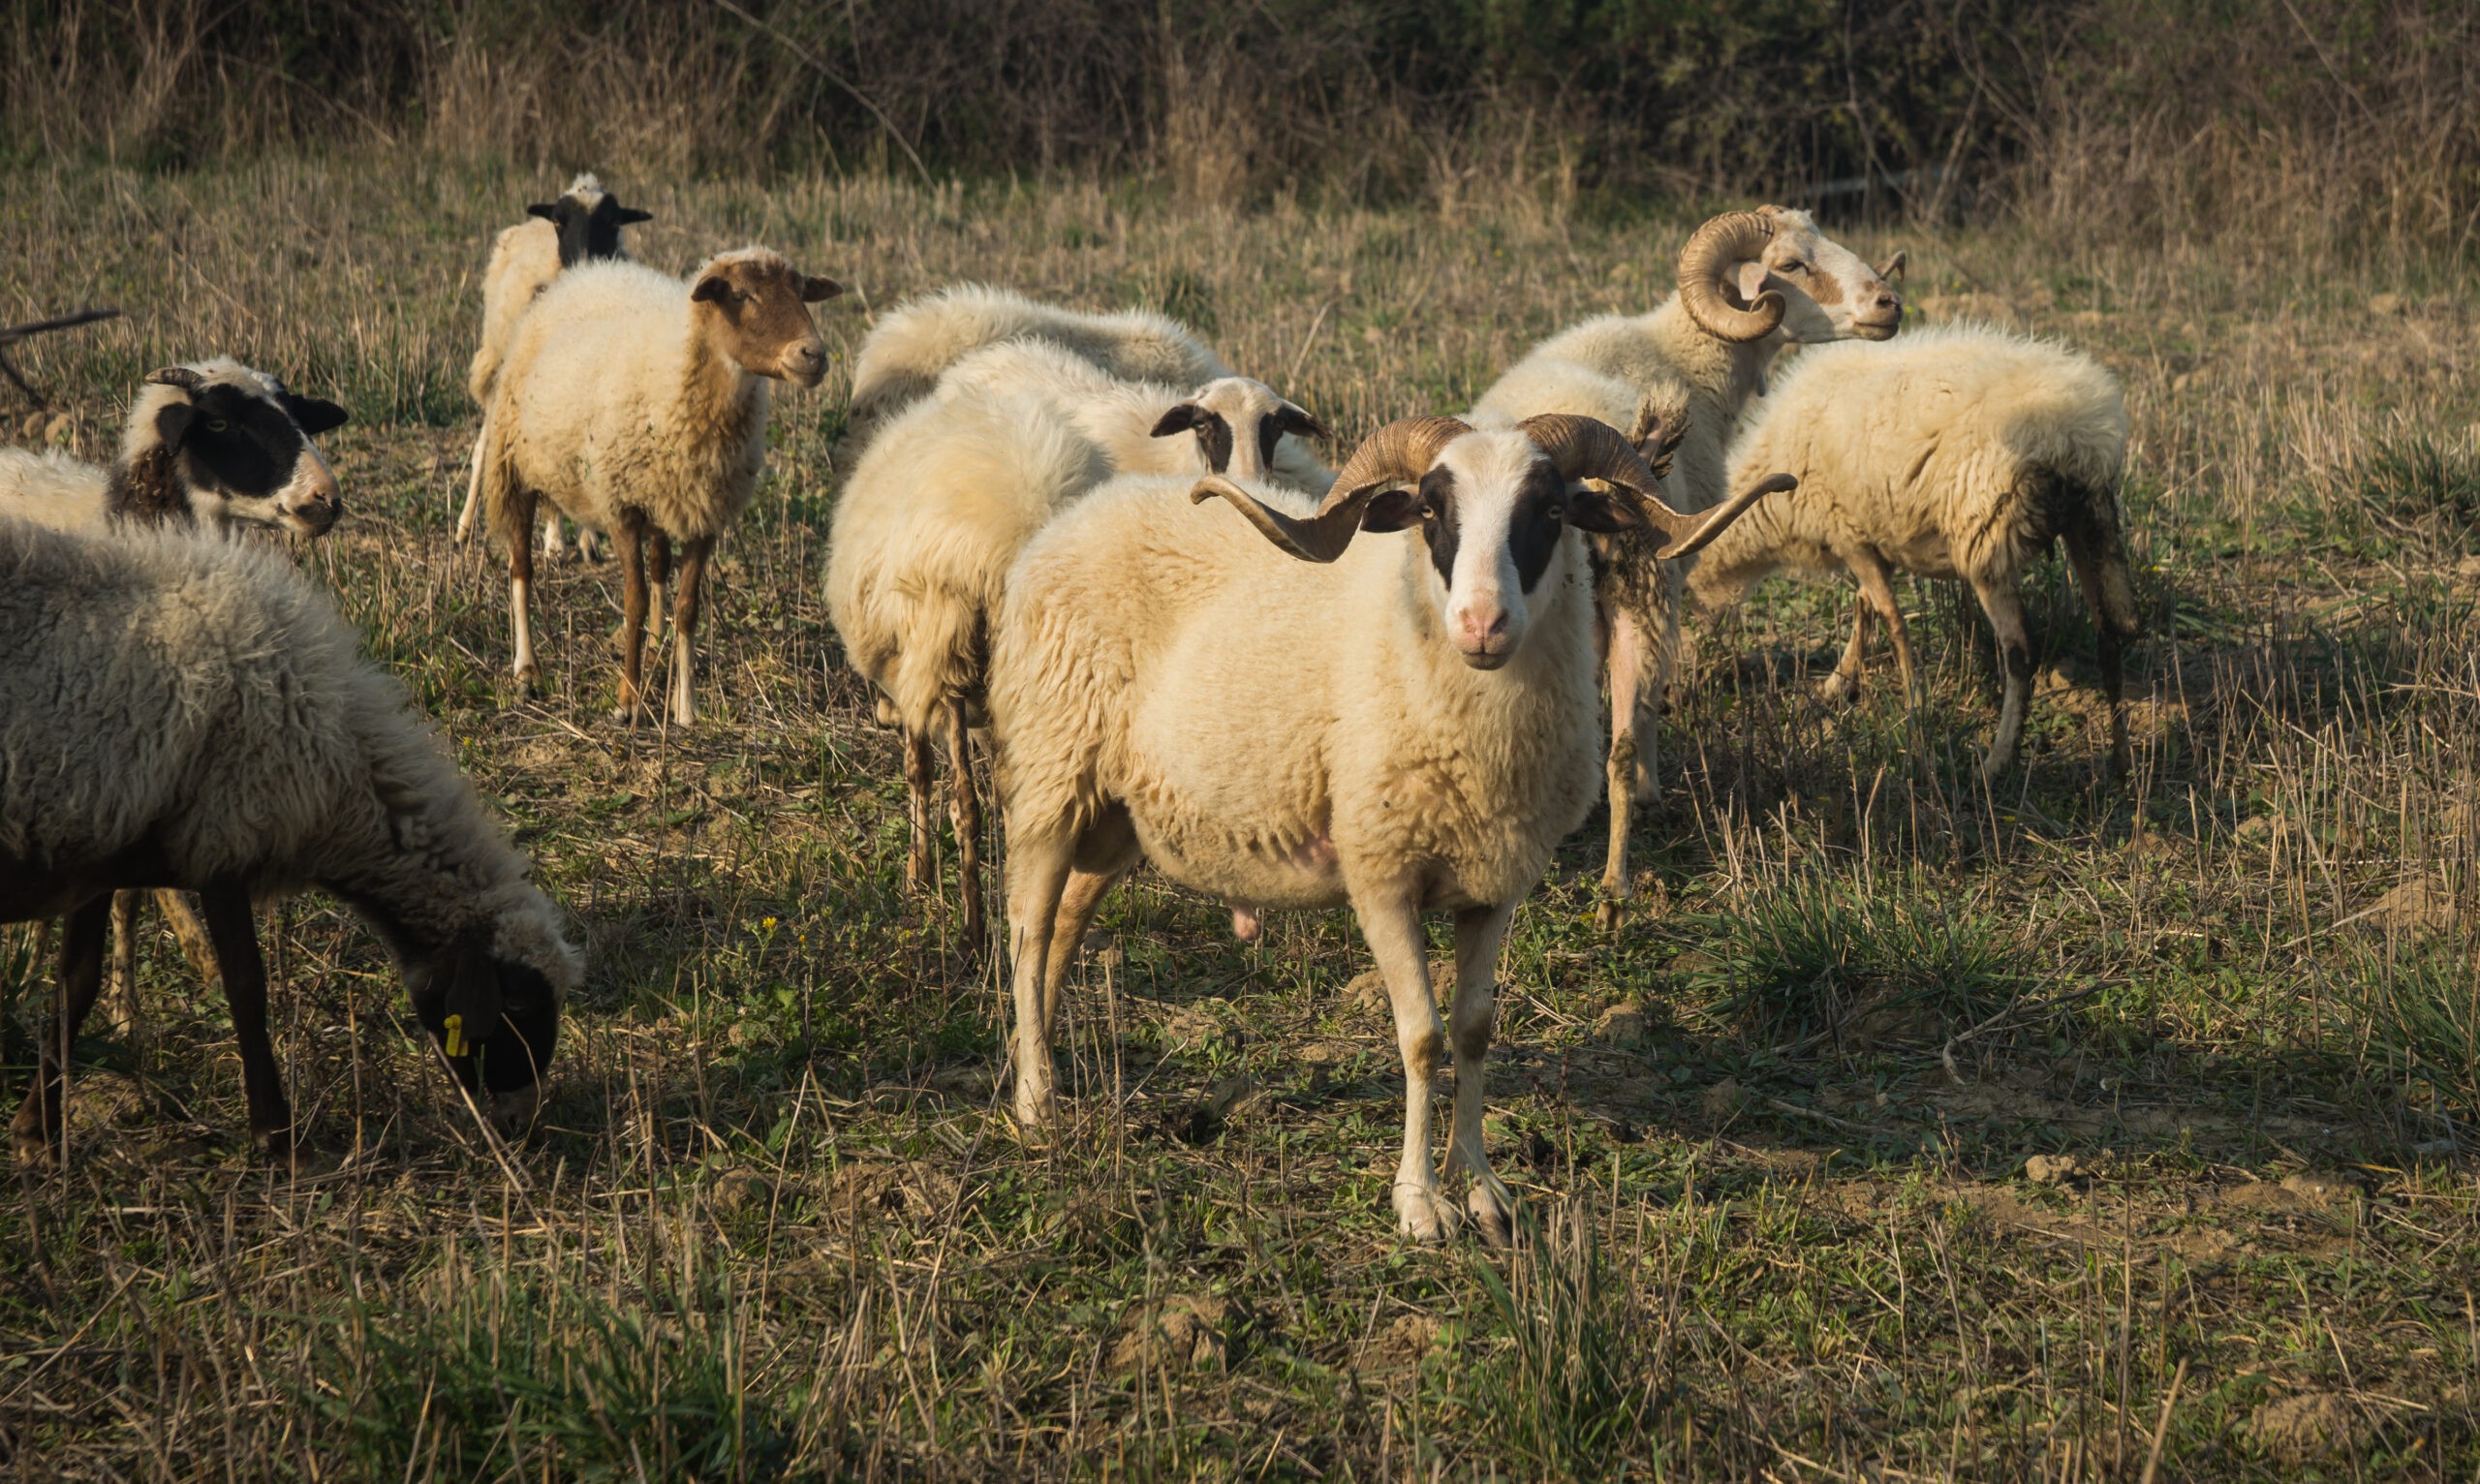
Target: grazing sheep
210, 444
940, 503
1749, 282
904, 357
191, 714
636, 402
1962, 453
1287, 717
582, 224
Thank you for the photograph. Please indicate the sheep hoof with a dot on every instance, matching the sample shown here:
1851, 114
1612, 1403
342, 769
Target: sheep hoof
1492, 1213
1612, 912
1424, 1214
1839, 690
1993, 765
34, 1150
1035, 1110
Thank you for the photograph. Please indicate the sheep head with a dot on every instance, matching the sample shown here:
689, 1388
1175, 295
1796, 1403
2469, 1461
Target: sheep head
490, 997
1238, 423
1493, 506
588, 220
220, 443
754, 306
1749, 274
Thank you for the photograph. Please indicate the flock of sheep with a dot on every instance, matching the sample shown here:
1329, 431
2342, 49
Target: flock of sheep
1080, 544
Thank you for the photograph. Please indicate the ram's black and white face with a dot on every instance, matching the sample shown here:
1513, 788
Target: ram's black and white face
1240, 424
240, 447
588, 223
1494, 512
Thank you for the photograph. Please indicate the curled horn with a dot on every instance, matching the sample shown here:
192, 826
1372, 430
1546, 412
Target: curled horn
1705, 266
1397, 453
184, 377
1584, 448
1689, 534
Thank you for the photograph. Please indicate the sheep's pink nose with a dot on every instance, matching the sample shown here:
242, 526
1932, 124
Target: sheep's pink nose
1481, 626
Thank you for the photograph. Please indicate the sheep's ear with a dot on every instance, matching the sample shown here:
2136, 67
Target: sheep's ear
547, 210
1178, 419
1891, 270
1297, 422
1659, 442
172, 422
1751, 280
713, 289
469, 1005
816, 291
316, 414
631, 216
1396, 509
1594, 509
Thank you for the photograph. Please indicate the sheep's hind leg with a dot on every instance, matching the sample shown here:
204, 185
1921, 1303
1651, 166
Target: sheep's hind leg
555, 542
245, 990
920, 874
693, 557
1038, 871
1478, 933
964, 812
2089, 557
473, 484
1393, 931
1104, 854
658, 579
2006, 609
41, 1123
1844, 683
520, 586
1626, 677
629, 541
120, 996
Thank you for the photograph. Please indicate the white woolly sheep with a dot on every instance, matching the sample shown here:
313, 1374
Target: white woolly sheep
212, 443
1409, 728
635, 403
940, 503
1962, 452
1749, 282
580, 225
191, 714
906, 354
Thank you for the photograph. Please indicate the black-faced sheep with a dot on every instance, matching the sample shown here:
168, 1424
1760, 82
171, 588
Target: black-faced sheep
191, 714
1962, 452
1749, 282
212, 443
636, 404
942, 502
909, 349
1278, 714
580, 225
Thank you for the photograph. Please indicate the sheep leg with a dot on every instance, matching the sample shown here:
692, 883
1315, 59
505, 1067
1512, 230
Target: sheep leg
1844, 683
1657, 668
1478, 933
120, 995
1627, 676
1393, 929
555, 542
245, 991
964, 809
474, 482
629, 542
40, 1123
589, 549
684, 628
2006, 609
2088, 557
920, 873
520, 526
657, 578
1038, 871
196, 945
1104, 854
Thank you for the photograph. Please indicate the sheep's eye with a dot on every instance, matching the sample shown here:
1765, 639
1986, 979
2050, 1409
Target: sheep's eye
216, 425
1429, 512
1795, 266
1556, 511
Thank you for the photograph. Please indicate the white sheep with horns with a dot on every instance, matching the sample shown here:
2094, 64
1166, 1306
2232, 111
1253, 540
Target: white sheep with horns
1278, 714
580, 225
635, 403
940, 503
191, 714
1962, 452
1750, 283
906, 354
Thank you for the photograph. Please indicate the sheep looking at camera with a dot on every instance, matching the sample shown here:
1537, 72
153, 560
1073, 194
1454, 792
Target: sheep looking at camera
212, 443
904, 357
191, 714
1291, 710
580, 225
1963, 451
1749, 282
635, 403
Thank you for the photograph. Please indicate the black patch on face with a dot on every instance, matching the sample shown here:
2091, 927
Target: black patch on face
232, 442
1214, 436
1438, 522
516, 1053
1539, 514
586, 236
1282, 420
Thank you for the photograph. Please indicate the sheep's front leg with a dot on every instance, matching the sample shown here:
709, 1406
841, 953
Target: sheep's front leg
1393, 929
1037, 869
1844, 683
1657, 669
245, 990
120, 1002
41, 1123
2094, 557
629, 541
1478, 933
1628, 660
658, 578
555, 542
474, 482
919, 875
520, 583
693, 555
964, 809
2006, 609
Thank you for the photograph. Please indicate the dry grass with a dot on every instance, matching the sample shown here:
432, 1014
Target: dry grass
1775, 1136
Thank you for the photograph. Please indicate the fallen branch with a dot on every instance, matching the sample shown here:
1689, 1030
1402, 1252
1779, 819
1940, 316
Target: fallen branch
16, 332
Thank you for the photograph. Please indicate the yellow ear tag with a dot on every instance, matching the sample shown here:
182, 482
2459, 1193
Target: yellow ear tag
455, 1035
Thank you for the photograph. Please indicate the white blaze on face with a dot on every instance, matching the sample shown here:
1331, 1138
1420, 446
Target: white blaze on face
1830, 291
1493, 540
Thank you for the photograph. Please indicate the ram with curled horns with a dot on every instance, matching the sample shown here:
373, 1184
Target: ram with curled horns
1386, 702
